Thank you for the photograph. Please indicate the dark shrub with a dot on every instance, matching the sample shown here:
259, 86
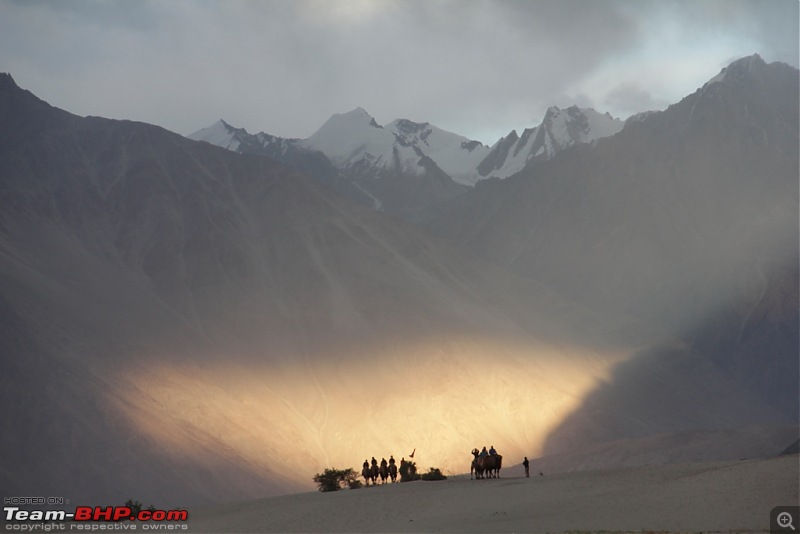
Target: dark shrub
336, 479
408, 471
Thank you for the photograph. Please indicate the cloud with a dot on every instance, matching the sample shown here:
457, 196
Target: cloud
476, 67
629, 97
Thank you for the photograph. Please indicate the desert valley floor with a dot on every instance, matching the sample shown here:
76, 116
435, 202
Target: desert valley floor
732, 496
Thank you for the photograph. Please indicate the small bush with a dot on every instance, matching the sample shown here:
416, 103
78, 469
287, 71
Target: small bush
408, 471
336, 479
433, 474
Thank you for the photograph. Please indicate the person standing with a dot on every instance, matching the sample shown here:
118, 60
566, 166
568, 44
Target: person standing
527, 466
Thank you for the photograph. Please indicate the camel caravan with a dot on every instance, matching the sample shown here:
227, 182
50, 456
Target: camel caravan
485, 464
386, 470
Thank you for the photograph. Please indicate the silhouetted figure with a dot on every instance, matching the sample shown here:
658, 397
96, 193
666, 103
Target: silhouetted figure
384, 471
527, 466
366, 472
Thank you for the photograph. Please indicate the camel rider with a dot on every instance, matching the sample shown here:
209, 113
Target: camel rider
483, 453
383, 462
366, 465
374, 462
492, 452
391, 460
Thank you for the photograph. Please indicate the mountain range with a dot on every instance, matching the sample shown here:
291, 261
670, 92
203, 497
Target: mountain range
185, 323
409, 168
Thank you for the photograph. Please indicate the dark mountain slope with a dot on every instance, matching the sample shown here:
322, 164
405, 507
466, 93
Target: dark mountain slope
674, 194
687, 218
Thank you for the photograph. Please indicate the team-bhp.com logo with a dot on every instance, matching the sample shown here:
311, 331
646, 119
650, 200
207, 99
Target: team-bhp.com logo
86, 517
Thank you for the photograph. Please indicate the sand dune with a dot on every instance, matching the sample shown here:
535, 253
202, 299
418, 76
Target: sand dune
720, 496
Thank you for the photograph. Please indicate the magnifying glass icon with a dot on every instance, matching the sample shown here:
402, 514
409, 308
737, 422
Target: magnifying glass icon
785, 520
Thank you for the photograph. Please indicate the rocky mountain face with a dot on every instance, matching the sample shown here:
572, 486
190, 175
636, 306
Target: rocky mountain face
409, 168
688, 219
182, 323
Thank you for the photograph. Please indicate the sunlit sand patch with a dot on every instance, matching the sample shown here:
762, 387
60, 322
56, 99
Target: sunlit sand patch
439, 398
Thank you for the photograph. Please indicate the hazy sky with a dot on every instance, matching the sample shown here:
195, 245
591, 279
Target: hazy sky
478, 68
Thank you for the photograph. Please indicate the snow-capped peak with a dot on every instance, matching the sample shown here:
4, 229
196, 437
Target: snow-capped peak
220, 133
345, 135
560, 129
456, 155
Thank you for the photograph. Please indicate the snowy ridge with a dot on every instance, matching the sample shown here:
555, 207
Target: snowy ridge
559, 130
454, 154
360, 147
355, 141
220, 134
234, 139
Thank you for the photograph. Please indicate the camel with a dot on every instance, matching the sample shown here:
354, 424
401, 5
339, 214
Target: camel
366, 472
477, 466
492, 465
384, 472
374, 474
485, 466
